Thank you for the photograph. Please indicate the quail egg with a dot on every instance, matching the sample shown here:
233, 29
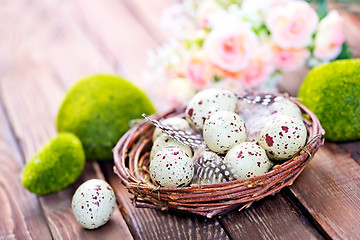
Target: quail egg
174, 122
206, 103
223, 130
171, 167
283, 137
93, 203
166, 141
248, 159
286, 107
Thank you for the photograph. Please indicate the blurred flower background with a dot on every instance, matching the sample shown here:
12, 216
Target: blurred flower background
242, 45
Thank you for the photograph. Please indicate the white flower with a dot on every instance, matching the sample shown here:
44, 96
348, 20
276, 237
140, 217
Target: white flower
330, 37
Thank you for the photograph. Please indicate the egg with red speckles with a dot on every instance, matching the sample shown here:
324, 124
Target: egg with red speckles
248, 159
286, 107
223, 130
175, 122
283, 137
207, 102
165, 141
171, 167
93, 203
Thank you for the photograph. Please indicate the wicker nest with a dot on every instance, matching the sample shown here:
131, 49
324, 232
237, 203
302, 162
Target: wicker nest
131, 157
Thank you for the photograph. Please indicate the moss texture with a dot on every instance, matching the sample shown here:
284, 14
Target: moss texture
55, 166
332, 92
98, 109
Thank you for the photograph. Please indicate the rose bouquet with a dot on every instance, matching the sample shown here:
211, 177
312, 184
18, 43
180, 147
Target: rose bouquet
242, 45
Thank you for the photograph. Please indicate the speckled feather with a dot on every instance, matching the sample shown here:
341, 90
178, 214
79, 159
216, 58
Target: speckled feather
263, 99
189, 137
212, 170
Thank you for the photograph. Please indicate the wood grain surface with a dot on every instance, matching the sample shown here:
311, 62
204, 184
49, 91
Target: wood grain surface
329, 189
47, 46
20, 211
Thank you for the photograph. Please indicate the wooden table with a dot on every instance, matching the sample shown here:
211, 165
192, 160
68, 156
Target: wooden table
46, 46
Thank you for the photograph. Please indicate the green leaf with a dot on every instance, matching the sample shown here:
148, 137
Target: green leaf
345, 52
321, 8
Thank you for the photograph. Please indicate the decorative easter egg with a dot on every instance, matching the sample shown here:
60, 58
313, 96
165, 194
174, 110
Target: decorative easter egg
171, 167
207, 102
176, 123
93, 203
165, 141
223, 130
283, 137
248, 159
283, 106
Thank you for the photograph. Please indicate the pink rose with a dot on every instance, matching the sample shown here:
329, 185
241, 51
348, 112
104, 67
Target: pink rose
290, 59
329, 37
230, 47
198, 70
292, 24
259, 69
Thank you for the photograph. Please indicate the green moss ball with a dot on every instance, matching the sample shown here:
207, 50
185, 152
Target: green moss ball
332, 92
55, 166
98, 109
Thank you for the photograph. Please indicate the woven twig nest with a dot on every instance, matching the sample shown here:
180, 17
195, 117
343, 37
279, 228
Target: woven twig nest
131, 157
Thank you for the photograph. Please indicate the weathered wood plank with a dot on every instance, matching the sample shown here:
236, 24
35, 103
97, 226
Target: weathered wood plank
329, 189
274, 217
150, 16
121, 35
32, 93
20, 211
39, 128
119, 32
352, 149
62, 221
156, 224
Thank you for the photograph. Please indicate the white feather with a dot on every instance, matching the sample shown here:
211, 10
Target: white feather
255, 117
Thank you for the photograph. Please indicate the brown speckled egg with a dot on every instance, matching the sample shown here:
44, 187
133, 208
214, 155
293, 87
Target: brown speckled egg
223, 130
206, 103
174, 122
165, 141
286, 107
171, 167
248, 159
283, 137
93, 203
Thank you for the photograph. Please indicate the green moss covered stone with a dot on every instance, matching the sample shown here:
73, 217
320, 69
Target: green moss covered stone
332, 92
98, 109
55, 166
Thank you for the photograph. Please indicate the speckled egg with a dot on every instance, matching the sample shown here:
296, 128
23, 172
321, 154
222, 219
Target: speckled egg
93, 203
248, 159
206, 103
165, 141
223, 130
283, 137
286, 107
174, 122
171, 167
